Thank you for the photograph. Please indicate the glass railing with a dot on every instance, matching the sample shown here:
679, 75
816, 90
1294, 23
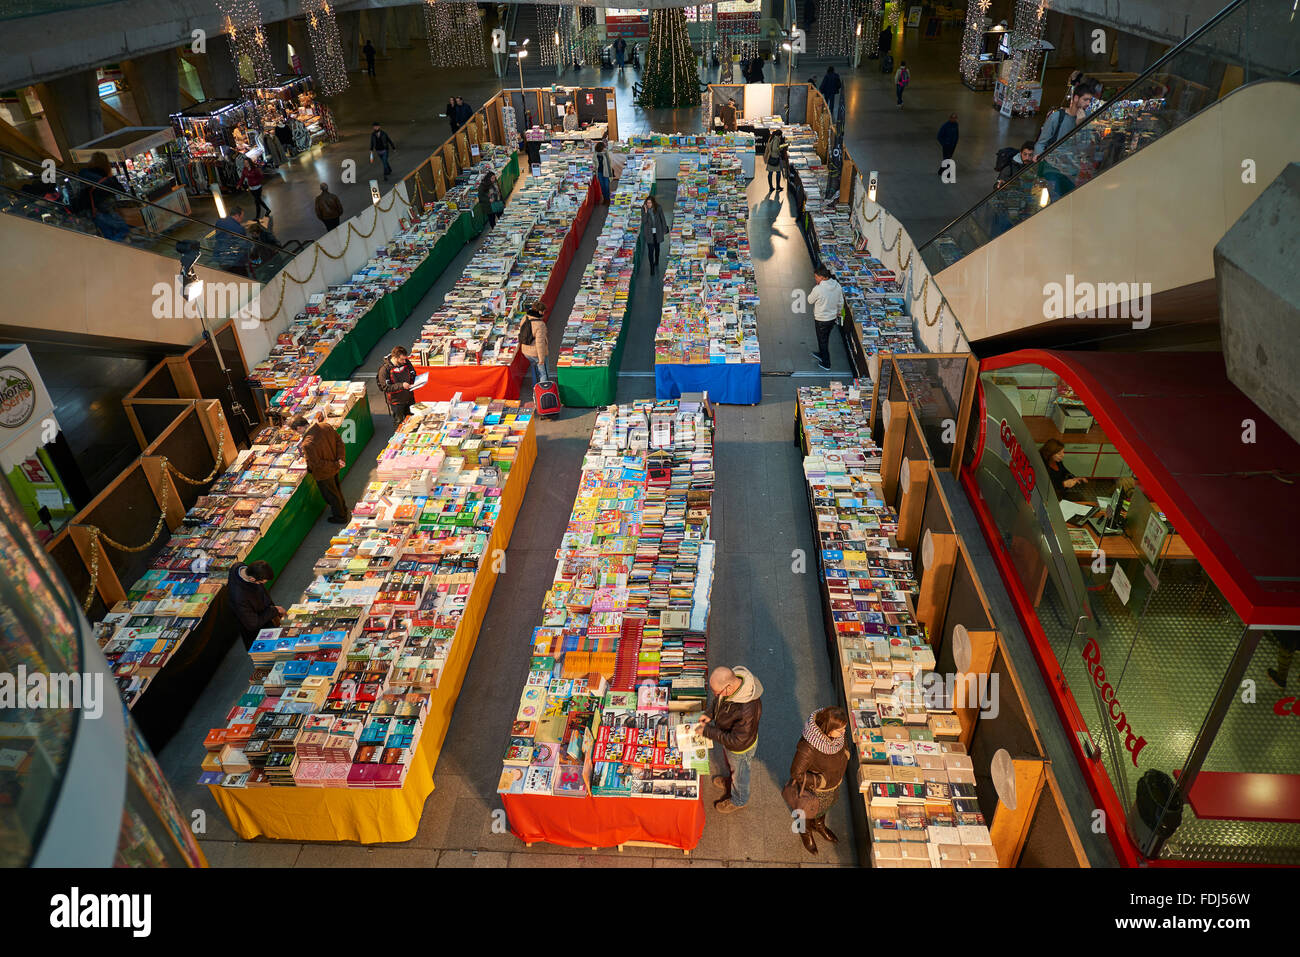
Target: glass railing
1249, 41
118, 216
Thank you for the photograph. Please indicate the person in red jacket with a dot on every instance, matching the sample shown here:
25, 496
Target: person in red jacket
252, 178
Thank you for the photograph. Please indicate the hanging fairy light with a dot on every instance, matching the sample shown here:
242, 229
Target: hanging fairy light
972, 41
548, 29
836, 32
248, 46
331, 70
1026, 33
875, 13
455, 33
895, 13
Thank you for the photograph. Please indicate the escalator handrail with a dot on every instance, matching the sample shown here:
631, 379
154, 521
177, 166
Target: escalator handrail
1146, 74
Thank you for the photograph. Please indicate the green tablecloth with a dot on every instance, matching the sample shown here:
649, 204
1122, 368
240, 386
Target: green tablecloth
408, 295
595, 386
278, 544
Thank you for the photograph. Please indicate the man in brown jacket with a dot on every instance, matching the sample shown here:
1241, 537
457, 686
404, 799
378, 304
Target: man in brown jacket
732, 722
325, 453
329, 208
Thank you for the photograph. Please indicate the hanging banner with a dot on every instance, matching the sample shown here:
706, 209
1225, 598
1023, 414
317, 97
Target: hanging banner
26, 412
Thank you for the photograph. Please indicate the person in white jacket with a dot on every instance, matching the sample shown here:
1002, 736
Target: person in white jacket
827, 300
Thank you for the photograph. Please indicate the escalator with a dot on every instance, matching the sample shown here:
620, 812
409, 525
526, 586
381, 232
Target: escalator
1136, 196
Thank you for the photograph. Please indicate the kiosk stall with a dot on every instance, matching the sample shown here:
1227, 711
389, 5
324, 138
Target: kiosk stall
146, 160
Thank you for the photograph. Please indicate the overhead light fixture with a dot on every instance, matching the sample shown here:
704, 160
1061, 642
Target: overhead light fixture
188, 251
858, 32
221, 205
1044, 197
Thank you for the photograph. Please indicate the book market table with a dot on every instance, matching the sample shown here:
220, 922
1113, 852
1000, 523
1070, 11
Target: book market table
372, 815
595, 386
732, 383
593, 821
503, 381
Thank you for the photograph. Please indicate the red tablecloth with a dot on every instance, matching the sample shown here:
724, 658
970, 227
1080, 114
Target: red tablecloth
604, 821
499, 381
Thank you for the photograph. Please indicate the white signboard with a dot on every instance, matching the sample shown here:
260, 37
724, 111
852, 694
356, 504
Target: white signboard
1120, 583
1153, 538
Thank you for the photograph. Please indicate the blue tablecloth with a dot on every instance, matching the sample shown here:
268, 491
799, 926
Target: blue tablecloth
734, 384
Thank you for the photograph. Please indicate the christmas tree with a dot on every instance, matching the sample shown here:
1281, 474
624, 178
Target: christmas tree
671, 78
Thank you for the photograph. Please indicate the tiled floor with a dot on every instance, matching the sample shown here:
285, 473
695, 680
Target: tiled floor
764, 615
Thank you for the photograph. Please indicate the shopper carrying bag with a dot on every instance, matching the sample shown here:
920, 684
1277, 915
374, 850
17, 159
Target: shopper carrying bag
820, 759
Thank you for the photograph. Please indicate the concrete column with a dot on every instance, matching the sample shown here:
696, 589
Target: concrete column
350, 38
155, 86
1132, 51
300, 37
404, 19
377, 23
217, 69
277, 42
72, 109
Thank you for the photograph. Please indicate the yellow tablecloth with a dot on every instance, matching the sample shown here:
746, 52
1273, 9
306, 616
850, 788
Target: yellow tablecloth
380, 815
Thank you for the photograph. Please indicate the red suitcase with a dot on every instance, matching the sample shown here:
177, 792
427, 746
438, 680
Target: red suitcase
546, 398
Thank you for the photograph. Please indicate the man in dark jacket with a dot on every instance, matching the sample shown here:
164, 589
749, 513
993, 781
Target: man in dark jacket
732, 722
830, 86
948, 139
250, 602
381, 144
369, 51
326, 454
463, 112
396, 382
329, 208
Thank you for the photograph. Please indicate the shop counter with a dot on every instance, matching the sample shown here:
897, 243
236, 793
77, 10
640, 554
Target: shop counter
386, 815
736, 383
594, 821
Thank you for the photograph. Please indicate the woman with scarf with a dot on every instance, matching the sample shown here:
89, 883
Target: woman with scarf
816, 772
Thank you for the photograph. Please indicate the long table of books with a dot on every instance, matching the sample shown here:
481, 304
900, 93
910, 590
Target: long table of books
470, 346
165, 640
349, 701
707, 338
915, 775
602, 751
339, 327
591, 350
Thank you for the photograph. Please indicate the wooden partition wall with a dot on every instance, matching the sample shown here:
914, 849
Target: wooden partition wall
1029, 823
196, 442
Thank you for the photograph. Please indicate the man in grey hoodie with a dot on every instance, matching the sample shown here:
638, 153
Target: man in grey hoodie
732, 721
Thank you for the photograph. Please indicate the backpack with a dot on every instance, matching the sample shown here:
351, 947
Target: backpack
526, 335
1004, 158
904, 76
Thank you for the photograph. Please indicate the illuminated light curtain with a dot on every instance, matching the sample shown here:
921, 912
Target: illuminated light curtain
330, 72
455, 34
835, 33
1025, 55
875, 12
738, 29
589, 44
670, 78
548, 25
243, 21
972, 41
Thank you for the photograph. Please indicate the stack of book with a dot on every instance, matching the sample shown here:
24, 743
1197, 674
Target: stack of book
710, 292
914, 773
601, 305
140, 633
357, 660
620, 657
478, 322
330, 315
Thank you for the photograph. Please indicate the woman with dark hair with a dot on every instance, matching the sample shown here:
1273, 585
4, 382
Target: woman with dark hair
656, 228
816, 772
1053, 455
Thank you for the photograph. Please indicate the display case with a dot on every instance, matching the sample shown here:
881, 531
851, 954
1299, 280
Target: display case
209, 134
146, 159
289, 110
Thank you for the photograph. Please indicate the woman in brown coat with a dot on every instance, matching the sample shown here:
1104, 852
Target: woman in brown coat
534, 343
820, 759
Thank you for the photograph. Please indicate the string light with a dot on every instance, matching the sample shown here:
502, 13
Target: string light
455, 33
835, 35
243, 21
895, 14
972, 41
548, 26
330, 72
874, 16
671, 78
1026, 33
738, 30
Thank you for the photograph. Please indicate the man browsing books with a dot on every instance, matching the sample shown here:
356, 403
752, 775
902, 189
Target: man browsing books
732, 721
827, 300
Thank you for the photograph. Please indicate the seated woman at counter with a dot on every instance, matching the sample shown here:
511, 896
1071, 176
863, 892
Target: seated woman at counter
1053, 454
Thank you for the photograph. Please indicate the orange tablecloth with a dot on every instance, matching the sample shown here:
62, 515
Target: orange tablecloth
500, 381
375, 815
604, 821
